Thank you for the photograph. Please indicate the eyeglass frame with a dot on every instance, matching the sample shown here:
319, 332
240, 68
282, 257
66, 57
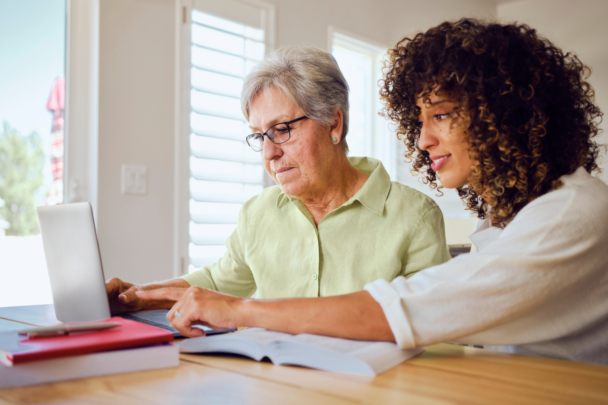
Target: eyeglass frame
288, 123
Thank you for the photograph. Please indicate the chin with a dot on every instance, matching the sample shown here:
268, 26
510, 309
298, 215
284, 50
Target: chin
290, 189
451, 182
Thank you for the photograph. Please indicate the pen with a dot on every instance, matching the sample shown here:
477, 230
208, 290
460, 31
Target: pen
66, 329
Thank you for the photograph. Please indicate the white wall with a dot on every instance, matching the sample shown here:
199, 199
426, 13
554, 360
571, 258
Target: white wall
306, 22
413, 16
382, 21
136, 126
575, 26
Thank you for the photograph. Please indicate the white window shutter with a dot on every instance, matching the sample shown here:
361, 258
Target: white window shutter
224, 171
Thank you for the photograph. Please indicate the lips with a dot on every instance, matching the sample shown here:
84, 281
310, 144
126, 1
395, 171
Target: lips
439, 161
282, 170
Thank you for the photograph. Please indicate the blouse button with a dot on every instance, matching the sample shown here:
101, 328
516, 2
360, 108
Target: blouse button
314, 276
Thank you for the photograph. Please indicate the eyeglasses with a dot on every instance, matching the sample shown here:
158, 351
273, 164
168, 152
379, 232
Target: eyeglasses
278, 133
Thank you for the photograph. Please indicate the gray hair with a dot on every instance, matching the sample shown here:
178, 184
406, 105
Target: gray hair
308, 76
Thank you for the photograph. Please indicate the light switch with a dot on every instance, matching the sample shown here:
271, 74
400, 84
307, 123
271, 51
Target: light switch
134, 179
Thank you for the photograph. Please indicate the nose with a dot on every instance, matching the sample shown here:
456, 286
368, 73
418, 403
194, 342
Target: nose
271, 150
428, 138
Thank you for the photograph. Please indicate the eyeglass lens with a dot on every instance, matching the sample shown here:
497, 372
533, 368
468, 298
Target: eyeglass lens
277, 134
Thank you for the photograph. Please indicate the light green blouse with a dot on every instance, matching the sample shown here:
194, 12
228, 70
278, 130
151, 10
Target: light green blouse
384, 231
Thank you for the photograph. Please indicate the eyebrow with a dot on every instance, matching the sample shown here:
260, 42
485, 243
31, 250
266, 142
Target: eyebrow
439, 102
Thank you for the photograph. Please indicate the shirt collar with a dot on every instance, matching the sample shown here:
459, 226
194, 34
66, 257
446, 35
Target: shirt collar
374, 192
484, 235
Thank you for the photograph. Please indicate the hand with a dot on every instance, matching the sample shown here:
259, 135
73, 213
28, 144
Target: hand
197, 306
122, 298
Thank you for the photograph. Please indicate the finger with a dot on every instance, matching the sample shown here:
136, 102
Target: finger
111, 286
207, 324
128, 295
195, 332
180, 306
122, 286
188, 316
171, 313
185, 326
171, 294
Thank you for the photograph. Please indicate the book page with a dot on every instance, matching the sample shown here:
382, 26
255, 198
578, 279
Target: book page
262, 336
249, 342
345, 346
336, 354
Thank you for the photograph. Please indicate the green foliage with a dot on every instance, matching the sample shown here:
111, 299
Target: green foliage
21, 164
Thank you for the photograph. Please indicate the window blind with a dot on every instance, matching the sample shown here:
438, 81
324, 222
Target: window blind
224, 171
368, 134
356, 66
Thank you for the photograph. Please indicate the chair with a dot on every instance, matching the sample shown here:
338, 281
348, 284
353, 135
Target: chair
457, 231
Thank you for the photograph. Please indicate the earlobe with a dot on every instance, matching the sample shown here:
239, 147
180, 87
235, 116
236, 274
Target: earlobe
336, 127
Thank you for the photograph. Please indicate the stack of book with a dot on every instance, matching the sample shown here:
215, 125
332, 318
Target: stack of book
133, 346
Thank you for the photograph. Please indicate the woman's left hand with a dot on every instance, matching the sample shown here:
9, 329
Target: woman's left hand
197, 306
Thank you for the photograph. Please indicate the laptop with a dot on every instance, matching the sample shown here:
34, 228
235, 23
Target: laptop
76, 273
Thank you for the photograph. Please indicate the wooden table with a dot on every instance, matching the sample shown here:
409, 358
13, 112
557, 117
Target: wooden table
444, 374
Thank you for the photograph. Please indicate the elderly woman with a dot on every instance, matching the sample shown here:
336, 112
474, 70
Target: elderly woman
332, 224
508, 119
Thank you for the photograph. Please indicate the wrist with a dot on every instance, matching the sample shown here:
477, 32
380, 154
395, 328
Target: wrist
244, 308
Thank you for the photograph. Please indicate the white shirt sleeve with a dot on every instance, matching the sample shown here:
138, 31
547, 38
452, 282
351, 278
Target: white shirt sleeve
545, 276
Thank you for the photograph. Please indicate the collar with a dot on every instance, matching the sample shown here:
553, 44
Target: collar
485, 234
374, 192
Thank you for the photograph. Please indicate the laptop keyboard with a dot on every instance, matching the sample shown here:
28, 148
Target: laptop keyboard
176, 333
152, 323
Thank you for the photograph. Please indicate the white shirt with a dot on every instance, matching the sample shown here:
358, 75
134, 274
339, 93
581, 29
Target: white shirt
539, 286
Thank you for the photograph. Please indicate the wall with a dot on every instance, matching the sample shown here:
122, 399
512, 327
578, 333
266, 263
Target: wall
575, 26
413, 16
136, 126
300, 22
382, 21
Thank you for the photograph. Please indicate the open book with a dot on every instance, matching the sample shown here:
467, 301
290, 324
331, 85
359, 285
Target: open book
314, 351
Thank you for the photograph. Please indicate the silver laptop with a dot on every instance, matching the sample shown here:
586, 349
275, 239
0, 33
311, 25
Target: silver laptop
75, 270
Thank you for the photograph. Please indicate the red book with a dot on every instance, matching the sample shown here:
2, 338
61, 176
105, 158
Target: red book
15, 349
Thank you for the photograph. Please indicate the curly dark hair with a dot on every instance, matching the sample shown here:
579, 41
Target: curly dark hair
528, 111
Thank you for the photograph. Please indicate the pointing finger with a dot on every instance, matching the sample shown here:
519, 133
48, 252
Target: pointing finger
171, 294
185, 325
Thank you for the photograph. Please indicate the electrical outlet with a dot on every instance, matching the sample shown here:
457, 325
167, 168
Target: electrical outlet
134, 179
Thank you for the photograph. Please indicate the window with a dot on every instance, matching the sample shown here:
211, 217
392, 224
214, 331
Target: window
225, 40
49, 131
369, 133
32, 89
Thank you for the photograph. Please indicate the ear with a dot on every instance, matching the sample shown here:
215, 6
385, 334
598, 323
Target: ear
335, 130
